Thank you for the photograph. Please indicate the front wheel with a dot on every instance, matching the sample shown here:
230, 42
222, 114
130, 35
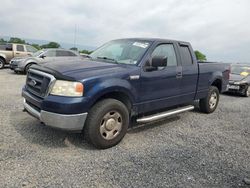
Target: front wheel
247, 91
210, 102
1, 63
107, 123
27, 68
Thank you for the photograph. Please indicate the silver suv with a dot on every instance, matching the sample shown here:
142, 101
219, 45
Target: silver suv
22, 65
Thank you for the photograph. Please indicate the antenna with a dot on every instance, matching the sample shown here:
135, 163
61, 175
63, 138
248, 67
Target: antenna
75, 37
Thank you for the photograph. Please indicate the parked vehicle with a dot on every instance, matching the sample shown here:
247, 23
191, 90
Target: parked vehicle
43, 56
239, 81
9, 51
125, 79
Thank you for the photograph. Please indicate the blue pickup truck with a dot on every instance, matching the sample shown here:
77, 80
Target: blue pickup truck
124, 80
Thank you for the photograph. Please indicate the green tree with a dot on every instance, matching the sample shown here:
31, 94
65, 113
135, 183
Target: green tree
74, 48
200, 56
2, 40
16, 40
85, 51
51, 45
36, 46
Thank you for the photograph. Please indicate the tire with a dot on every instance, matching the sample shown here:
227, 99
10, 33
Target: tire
27, 67
2, 63
210, 102
106, 124
247, 92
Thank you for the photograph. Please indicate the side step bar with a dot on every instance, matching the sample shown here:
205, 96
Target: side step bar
159, 116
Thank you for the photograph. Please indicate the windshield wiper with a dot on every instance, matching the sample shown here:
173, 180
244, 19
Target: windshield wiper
107, 58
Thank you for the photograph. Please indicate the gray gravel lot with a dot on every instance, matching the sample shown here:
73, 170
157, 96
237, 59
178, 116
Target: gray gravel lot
188, 150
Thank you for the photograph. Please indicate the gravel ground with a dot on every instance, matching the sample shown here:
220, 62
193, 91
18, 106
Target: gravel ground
188, 150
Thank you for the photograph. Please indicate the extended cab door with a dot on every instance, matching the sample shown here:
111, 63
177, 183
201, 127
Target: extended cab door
160, 88
189, 73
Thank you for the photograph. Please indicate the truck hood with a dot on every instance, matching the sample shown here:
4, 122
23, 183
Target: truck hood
237, 77
81, 69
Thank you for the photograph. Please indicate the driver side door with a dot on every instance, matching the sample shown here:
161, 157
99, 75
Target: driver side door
160, 88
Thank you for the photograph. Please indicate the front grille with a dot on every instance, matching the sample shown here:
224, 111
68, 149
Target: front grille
38, 82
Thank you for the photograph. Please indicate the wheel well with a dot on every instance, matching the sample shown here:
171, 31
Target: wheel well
217, 83
31, 63
2, 58
120, 96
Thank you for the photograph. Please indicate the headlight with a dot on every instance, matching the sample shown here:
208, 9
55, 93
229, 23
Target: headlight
67, 88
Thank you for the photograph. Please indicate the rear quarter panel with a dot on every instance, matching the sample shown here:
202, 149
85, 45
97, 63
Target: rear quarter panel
208, 73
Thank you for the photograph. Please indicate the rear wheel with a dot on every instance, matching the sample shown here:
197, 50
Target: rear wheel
247, 92
210, 102
107, 123
2, 63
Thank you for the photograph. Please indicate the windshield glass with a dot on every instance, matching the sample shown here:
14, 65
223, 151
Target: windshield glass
38, 53
121, 51
240, 70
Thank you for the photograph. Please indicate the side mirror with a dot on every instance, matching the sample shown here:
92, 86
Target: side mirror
159, 61
42, 56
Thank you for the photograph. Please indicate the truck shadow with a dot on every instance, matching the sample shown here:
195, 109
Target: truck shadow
233, 95
36, 133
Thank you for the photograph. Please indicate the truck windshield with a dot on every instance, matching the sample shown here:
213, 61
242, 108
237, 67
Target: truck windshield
240, 70
121, 51
38, 53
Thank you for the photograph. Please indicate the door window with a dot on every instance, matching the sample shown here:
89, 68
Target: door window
166, 50
20, 48
50, 53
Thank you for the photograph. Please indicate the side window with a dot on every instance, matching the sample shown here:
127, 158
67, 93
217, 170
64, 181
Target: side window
166, 50
70, 53
50, 53
31, 49
186, 57
20, 48
61, 53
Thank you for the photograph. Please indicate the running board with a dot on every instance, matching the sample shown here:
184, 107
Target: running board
159, 116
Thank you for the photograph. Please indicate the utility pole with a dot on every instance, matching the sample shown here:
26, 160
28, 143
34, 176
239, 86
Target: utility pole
75, 37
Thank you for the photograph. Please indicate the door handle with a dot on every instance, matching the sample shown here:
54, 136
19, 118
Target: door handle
17, 53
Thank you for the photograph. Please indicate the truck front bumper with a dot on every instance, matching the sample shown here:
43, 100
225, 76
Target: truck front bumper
70, 122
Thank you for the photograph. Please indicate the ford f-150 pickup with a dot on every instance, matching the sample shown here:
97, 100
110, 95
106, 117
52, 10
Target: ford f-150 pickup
124, 80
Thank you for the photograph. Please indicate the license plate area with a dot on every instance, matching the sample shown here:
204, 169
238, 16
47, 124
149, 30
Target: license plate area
234, 87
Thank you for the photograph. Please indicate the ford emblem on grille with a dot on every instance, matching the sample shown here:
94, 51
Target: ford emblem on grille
33, 82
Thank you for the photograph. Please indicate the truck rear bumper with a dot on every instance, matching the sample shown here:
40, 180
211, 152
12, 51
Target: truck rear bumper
70, 122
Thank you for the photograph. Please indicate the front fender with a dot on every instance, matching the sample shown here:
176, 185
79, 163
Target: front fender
95, 91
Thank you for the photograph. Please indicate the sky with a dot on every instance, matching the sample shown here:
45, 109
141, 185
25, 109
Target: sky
218, 28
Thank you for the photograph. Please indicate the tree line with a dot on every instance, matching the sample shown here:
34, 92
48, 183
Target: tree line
39, 47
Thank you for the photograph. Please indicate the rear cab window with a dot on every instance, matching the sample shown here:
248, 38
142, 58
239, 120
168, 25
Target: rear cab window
186, 56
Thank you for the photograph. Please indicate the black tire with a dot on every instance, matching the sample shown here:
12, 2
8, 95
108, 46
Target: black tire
27, 68
2, 63
247, 92
209, 103
98, 120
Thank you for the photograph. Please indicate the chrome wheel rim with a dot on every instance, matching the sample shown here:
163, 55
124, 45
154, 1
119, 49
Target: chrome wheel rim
213, 100
248, 91
111, 125
1, 64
